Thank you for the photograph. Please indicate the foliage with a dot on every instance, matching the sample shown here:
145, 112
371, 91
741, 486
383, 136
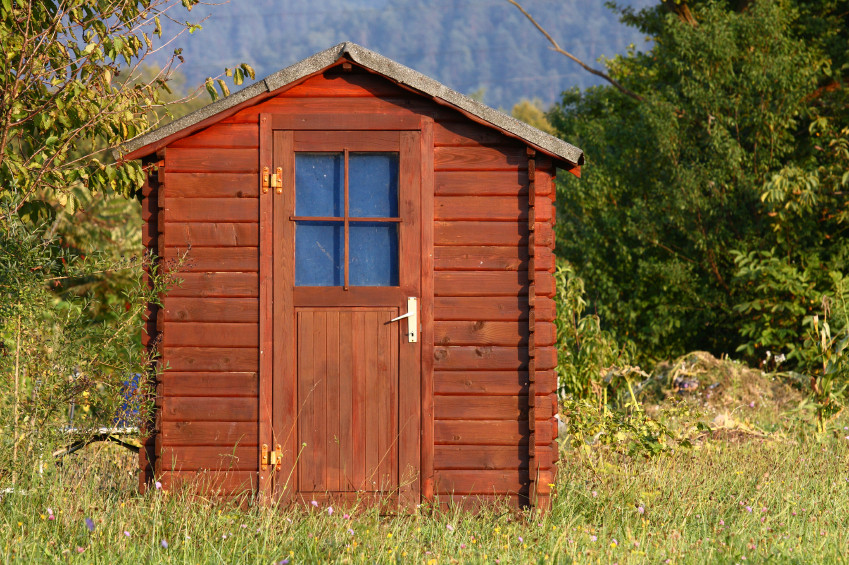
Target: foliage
712, 214
531, 112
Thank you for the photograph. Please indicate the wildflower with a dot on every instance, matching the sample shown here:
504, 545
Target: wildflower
763, 509
243, 526
126, 533
594, 493
722, 522
158, 485
593, 538
449, 527
283, 562
751, 405
462, 546
164, 544
350, 531
641, 510
314, 503
89, 523
346, 516
614, 543
80, 549
329, 510
520, 539
748, 509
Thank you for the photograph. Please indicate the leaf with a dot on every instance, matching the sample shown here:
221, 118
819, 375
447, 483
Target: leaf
223, 86
210, 88
249, 70
238, 77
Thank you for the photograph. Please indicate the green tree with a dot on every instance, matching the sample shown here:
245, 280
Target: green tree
712, 212
72, 290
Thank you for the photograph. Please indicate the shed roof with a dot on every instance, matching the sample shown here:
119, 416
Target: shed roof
149, 143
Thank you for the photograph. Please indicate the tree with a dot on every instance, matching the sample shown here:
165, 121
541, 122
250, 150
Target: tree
712, 213
71, 285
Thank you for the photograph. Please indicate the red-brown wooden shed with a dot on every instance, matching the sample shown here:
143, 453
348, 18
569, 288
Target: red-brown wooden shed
366, 306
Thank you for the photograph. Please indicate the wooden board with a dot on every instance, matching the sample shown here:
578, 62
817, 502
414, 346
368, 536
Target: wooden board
213, 458
213, 185
476, 407
480, 332
214, 259
481, 481
480, 432
480, 283
481, 233
187, 309
209, 409
172, 383
210, 234
203, 160
333, 83
209, 433
210, 483
225, 136
479, 358
225, 359
480, 457
217, 285
236, 210
465, 133
481, 183
488, 383
479, 308
211, 334
502, 208
492, 158
479, 258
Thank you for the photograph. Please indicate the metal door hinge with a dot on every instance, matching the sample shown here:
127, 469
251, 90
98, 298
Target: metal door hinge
273, 458
272, 180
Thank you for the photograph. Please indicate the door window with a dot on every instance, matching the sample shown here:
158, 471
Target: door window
346, 219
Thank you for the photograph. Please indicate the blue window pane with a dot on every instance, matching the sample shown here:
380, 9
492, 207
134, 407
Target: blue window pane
319, 184
373, 252
319, 254
373, 185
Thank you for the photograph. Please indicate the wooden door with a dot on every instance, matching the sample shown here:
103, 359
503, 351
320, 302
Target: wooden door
346, 247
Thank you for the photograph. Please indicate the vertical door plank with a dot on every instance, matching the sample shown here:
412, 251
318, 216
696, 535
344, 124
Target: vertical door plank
333, 398
372, 403
319, 394
358, 424
385, 426
424, 488
266, 232
306, 383
346, 400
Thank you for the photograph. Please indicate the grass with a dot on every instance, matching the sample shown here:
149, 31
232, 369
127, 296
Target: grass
760, 488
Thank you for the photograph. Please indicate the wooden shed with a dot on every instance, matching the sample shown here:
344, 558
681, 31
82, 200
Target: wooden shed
366, 307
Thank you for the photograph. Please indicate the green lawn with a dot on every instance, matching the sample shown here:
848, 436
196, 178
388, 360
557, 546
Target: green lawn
726, 501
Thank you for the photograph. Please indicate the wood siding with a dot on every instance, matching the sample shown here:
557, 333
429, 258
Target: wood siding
488, 413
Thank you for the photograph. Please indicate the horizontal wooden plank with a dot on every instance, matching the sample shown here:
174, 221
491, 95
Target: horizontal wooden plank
303, 121
480, 283
214, 259
236, 210
401, 106
210, 234
217, 285
463, 358
545, 358
466, 133
481, 481
351, 140
543, 236
355, 84
512, 383
480, 457
477, 432
186, 309
221, 136
478, 407
209, 409
211, 334
226, 359
478, 503
546, 382
544, 309
211, 483
479, 308
481, 233
212, 185
481, 158
501, 208
212, 458
481, 183
544, 259
149, 206
480, 332
543, 209
545, 333
480, 258
172, 383
227, 434
197, 160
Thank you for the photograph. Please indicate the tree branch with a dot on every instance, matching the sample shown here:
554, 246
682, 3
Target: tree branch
562, 51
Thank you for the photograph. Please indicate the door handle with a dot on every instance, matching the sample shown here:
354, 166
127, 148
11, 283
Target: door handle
412, 316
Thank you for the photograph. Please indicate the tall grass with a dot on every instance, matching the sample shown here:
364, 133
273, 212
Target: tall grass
724, 501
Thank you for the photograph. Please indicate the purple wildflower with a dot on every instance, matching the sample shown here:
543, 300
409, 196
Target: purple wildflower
449, 527
158, 485
641, 510
89, 523
350, 531
329, 510
164, 544
346, 516
314, 503
126, 533
593, 538
748, 509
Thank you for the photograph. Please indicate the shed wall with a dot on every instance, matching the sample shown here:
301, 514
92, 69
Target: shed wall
207, 210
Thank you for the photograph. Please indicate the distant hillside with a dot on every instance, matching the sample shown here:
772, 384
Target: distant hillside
467, 44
